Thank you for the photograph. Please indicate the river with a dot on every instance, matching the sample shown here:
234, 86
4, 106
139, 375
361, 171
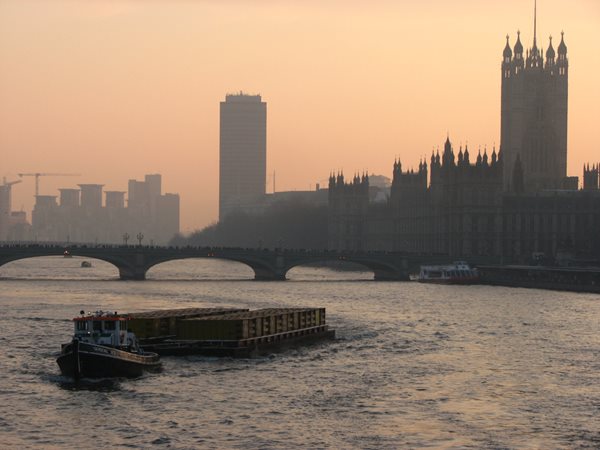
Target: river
413, 365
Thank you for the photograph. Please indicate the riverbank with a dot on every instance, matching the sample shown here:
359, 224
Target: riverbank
573, 279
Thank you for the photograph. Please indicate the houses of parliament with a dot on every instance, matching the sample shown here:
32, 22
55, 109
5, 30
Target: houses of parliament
507, 206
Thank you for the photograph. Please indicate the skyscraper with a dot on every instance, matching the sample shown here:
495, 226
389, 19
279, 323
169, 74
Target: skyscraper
534, 114
242, 151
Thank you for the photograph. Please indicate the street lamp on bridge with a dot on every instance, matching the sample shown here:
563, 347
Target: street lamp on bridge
140, 237
126, 238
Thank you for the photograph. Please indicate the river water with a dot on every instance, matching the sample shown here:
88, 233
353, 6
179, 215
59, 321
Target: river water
413, 366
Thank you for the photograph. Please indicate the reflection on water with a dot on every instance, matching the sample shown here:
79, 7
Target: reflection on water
414, 365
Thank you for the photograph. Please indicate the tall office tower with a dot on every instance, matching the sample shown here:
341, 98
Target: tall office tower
534, 114
243, 151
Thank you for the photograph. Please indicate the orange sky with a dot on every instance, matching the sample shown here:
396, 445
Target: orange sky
117, 89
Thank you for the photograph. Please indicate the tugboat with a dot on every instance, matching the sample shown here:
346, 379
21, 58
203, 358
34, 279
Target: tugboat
103, 347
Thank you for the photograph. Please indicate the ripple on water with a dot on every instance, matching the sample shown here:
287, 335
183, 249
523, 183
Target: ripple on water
414, 366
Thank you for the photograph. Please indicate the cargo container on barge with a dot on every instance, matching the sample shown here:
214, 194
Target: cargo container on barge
228, 332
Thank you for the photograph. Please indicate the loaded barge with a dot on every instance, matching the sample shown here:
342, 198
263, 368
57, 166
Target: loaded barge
227, 331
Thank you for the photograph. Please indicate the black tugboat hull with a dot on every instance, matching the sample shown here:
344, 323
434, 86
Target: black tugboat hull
81, 360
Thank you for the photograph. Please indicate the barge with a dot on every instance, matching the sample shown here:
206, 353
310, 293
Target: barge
228, 332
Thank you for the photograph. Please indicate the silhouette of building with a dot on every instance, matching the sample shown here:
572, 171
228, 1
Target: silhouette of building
242, 152
509, 207
452, 211
459, 209
82, 217
534, 113
590, 177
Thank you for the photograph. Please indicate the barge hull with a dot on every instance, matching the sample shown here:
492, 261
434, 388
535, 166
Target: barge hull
243, 348
93, 361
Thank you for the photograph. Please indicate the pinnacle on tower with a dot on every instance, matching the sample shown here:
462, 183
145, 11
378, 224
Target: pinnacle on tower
518, 46
562, 48
507, 54
535, 24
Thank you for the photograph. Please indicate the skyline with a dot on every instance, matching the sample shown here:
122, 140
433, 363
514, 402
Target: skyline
127, 83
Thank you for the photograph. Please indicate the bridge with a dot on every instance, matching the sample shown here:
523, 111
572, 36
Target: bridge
268, 264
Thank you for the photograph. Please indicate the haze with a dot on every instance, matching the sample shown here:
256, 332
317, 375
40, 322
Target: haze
117, 89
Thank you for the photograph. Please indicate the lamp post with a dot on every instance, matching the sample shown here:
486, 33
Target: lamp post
126, 238
139, 237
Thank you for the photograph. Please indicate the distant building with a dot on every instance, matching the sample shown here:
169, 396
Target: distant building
517, 206
82, 217
458, 208
242, 152
534, 114
20, 228
91, 196
591, 177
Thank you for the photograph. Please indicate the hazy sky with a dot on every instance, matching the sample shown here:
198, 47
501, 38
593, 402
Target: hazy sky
117, 89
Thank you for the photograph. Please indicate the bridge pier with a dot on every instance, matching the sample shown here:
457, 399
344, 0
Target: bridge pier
264, 274
132, 273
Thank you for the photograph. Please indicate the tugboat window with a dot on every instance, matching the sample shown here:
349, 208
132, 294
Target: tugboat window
109, 325
81, 326
97, 325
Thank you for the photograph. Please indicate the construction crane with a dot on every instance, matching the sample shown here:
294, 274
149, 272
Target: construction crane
10, 183
38, 175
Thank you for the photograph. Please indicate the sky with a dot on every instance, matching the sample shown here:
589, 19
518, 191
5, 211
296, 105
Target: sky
116, 89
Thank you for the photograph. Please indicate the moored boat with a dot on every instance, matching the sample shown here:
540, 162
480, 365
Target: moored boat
103, 347
458, 272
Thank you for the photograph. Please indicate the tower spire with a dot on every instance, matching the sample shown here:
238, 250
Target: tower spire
534, 22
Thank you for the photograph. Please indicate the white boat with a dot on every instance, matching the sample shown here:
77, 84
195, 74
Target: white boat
459, 272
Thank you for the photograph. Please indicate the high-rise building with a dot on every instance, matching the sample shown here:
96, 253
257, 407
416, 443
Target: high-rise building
69, 198
534, 114
242, 151
91, 195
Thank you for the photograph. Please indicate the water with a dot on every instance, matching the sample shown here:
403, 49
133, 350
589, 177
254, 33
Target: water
414, 365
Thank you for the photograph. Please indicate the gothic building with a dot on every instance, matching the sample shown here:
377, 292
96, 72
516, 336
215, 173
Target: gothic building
506, 207
348, 212
534, 114
452, 210
458, 208
590, 177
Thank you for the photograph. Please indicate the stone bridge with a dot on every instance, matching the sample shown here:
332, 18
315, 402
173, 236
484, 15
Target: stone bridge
268, 264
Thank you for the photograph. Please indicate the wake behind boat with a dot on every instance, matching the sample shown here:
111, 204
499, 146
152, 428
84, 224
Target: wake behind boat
103, 347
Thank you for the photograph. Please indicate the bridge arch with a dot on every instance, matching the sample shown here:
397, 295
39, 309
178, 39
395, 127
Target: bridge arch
199, 268
382, 270
262, 270
56, 265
